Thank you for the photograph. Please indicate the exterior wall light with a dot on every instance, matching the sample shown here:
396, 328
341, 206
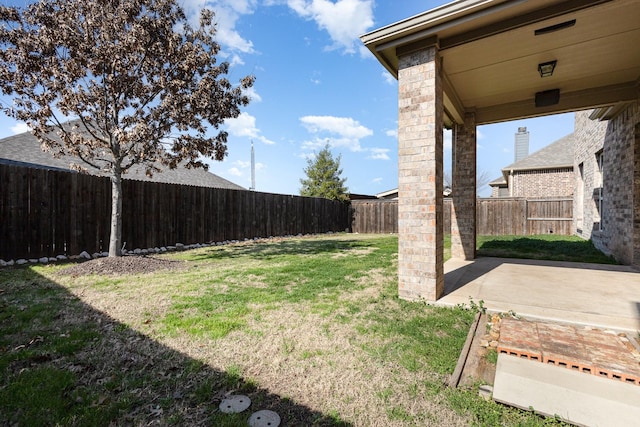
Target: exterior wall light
546, 68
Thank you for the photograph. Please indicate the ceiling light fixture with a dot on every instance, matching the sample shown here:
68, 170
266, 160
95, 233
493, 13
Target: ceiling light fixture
546, 68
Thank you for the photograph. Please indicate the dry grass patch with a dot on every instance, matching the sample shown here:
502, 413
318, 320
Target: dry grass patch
321, 339
319, 363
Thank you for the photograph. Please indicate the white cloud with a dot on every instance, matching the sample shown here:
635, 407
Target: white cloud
253, 95
245, 126
344, 20
20, 127
265, 140
235, 60
240, 166
307, 155
388, 78
379, 154
344, 126
377, 180
227, 13
336, 131
393, 133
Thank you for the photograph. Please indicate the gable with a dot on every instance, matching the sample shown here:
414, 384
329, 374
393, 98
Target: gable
557, 155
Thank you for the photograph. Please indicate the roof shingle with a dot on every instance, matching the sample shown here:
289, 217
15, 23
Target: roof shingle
558, 154
24, 150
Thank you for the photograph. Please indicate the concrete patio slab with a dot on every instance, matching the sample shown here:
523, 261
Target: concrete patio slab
574, 396
606, 296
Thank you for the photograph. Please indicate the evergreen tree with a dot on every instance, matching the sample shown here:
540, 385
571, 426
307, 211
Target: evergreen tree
323, 177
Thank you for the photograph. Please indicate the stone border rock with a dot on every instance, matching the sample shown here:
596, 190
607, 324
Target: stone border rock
85, 256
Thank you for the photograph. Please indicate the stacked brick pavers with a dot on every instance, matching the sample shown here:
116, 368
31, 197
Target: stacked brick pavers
580, 348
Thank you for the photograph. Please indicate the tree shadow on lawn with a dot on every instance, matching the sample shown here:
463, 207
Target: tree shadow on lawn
62, 362
290, 246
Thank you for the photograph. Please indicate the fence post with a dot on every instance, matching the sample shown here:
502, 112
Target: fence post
526, 215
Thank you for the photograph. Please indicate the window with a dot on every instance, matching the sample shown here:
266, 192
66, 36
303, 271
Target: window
598, 190
580, 198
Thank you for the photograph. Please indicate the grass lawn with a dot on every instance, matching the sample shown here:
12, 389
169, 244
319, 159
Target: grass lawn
546, 247
308, 327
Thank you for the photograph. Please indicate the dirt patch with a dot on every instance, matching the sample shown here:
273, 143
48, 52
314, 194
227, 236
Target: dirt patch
122, 265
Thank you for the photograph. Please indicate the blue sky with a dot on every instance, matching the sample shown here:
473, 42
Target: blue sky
317, 84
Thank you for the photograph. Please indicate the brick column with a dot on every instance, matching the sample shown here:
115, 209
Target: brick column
420, 115
635, 205
463, 208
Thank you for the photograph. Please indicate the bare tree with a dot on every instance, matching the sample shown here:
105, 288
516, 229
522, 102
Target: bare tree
482, 178
141, 83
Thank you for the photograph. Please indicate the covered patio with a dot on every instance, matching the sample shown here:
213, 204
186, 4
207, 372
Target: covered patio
555, 291
473, 62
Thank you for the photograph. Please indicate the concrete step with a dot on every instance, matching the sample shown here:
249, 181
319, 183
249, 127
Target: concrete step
550, 390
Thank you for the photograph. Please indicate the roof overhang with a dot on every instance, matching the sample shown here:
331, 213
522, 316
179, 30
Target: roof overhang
537, 168
387, 193
491, 49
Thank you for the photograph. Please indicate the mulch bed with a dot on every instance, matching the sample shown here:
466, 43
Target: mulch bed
122, 265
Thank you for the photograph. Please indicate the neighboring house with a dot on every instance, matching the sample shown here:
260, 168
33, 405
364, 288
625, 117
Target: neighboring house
393, 194
388, 195
499, 187
353, 196
546, 173
24, 150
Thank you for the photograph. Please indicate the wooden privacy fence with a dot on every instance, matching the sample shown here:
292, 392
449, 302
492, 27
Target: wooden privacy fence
47, 213
375, 216
523, 217
495, 216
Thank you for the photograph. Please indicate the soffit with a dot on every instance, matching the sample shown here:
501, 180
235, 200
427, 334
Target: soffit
490, 54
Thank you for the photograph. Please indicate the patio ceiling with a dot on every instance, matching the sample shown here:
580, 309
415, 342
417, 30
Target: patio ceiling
491, 49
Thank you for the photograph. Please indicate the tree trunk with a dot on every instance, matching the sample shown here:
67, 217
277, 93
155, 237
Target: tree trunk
115, 238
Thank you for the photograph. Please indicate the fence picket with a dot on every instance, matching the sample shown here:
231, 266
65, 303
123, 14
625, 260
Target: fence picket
495, 217
47, 213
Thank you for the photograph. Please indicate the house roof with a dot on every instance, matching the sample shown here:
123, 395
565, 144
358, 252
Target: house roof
24, 150
558, 154
490, 51
392, 192
446, 192
501, 181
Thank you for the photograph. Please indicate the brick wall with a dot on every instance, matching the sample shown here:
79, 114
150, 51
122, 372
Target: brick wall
611, 229
588, 140
543, 183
